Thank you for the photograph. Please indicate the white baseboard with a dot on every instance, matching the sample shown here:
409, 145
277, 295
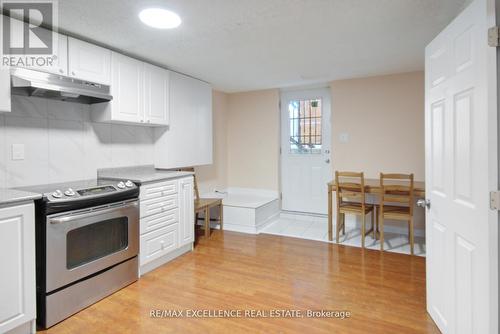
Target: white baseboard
26, 328
250, 229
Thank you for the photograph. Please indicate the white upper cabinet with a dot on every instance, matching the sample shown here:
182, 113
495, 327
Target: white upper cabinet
188, 139
127, 75
89, 62
156, 88
140, 94
60, 63
127, 89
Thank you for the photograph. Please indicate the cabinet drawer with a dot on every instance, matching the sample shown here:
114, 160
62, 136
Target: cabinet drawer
158, 205
158, 243
153, 222
158, 189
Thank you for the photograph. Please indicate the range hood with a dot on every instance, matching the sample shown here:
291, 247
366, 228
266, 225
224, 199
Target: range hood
27, 82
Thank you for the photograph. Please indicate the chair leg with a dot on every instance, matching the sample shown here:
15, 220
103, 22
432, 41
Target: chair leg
378, 220
343, 224
363, 230
337, 226
409, 232
207, 223
375, 230
373, 222
412, 241
381, 232
221, 217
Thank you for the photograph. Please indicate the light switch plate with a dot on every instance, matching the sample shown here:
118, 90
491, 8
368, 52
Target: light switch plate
344, 137
17, 151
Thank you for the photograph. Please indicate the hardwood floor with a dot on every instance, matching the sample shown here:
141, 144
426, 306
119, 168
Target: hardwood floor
384, 292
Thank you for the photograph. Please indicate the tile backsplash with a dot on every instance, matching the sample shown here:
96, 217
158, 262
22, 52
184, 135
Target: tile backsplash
62, 144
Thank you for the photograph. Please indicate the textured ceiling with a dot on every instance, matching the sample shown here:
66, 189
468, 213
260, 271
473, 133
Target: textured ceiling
242, 45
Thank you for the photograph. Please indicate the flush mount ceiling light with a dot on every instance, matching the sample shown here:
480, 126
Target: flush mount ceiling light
160, 18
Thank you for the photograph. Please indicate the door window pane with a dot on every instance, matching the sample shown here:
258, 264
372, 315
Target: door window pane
305, 126
94, 241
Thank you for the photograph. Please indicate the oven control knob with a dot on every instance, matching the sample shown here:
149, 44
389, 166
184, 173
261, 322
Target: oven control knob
57, 193
70, 192
129, 184
121, 185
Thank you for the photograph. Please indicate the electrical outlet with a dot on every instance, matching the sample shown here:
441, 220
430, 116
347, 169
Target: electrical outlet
344, 137
17, 151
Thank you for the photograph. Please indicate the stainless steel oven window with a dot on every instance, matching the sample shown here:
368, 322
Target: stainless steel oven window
95, 241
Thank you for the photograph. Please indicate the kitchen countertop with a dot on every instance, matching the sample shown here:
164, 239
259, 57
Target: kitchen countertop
140, 174
12, 196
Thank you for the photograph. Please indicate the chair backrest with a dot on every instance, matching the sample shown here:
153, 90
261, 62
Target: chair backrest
396, 189
350, 185
191, 169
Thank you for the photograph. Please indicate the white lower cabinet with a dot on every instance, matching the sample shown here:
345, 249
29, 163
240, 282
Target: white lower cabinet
159, 242
17, 256
167, 221
186, 211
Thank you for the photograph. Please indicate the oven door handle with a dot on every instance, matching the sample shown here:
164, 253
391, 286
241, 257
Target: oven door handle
89, 214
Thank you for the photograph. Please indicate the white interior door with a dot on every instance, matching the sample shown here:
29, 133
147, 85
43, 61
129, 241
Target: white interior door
305, 150
461, 170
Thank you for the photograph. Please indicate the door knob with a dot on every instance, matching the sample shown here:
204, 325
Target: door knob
327, 161
424, 203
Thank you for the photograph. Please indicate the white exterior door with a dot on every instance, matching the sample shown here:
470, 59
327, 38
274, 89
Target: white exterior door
461, 169
305, 150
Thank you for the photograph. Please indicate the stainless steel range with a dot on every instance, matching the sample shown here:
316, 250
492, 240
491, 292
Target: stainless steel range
87, 242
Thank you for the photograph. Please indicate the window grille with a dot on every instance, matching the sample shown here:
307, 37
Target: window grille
305, 126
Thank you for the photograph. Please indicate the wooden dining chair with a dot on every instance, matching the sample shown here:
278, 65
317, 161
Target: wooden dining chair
204, 205
396, 203
351, 199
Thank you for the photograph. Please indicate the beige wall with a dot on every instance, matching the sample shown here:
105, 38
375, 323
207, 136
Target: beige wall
384, 117
253, 139
215, 176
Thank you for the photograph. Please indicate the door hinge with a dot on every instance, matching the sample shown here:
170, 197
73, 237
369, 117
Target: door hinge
281, 195
495, 200
494, 37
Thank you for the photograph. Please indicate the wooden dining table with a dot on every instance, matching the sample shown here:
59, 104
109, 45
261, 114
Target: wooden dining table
372, 186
